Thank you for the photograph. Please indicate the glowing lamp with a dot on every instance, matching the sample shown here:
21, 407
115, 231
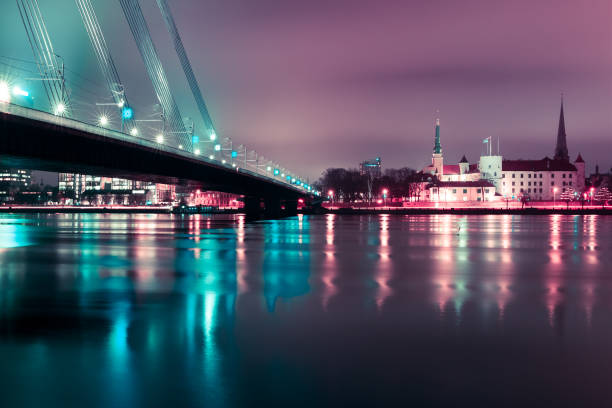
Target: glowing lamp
127, 113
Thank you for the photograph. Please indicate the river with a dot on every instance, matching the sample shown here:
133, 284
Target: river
376, 310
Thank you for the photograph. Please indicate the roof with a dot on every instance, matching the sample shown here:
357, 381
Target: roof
451, 169
579, 159
478, 183
463, 160
545, 164
474, 168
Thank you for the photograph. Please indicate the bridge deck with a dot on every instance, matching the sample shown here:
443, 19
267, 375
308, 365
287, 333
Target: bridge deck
42, 141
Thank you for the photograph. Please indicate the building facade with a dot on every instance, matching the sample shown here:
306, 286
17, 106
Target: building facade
544, 179
372, 168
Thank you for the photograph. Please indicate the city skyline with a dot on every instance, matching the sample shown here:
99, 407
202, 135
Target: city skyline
363, 89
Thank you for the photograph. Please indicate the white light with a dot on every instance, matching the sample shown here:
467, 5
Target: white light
181, 147
196, 152
5, 95
211, 157
283, 175
134, 132
159, 138
223, 161
103, 120
233, 164
217, 147
269, 168
121, 103
60, 109
213, 136
18, 91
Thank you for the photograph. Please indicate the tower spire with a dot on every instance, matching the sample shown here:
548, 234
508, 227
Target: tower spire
437, 147
561, 152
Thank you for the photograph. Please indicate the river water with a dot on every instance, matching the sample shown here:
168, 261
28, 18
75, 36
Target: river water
440, 310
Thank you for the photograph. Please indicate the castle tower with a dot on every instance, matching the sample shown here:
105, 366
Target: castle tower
464, 165
437, 160
561, 152
580, 174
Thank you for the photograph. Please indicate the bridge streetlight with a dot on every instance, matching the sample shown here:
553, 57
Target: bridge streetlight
60, 109
103, 120
5, 94
134, 132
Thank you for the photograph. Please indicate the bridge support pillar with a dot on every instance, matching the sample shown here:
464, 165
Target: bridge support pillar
290, 208
252, 206
273, 208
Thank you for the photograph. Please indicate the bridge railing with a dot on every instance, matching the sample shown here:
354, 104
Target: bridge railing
250, 169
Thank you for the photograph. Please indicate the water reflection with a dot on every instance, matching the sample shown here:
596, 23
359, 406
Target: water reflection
220, 310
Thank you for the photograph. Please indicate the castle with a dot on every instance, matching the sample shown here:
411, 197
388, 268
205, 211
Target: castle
496, 178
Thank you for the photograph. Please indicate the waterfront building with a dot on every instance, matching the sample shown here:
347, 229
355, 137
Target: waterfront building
542, 179
13, 181
462, 181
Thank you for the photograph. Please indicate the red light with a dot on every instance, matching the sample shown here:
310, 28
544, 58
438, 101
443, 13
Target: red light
330, 193
301, 201
385, 191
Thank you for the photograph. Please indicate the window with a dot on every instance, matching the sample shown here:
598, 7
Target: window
540, 190
529, 176
552, 183
570, 183
522, 190
454, 191
486, 191
465, 191
563, 175
552, 175
513, 183
503, 175
540, 175
529, 183
495, 174
513, 190
564, 183
521, 175
529, 190
478, 190
513, 175
489, 166
521, 183
540, 183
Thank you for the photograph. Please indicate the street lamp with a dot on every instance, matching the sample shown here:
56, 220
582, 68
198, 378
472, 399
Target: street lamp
554, 197
103, 120
5, 94
134, 132
160, 138
384, 194
330, 195
60, 109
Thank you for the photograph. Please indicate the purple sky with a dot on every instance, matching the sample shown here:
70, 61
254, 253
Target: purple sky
319, 83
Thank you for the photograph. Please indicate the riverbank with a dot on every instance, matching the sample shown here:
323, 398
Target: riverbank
108, 210
469, 211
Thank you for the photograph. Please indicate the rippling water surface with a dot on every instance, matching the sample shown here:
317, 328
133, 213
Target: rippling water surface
161, 310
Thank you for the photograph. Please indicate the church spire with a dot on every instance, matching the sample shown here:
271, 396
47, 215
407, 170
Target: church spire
561, 152
437, 147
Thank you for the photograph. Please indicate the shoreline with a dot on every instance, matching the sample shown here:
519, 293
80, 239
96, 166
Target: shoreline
320, 211
471, 211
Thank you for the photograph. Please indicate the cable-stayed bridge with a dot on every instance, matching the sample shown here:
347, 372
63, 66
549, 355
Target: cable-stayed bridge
56, 131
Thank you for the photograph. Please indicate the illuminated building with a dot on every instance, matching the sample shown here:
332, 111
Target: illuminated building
13, 181
372, 168
542, 179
